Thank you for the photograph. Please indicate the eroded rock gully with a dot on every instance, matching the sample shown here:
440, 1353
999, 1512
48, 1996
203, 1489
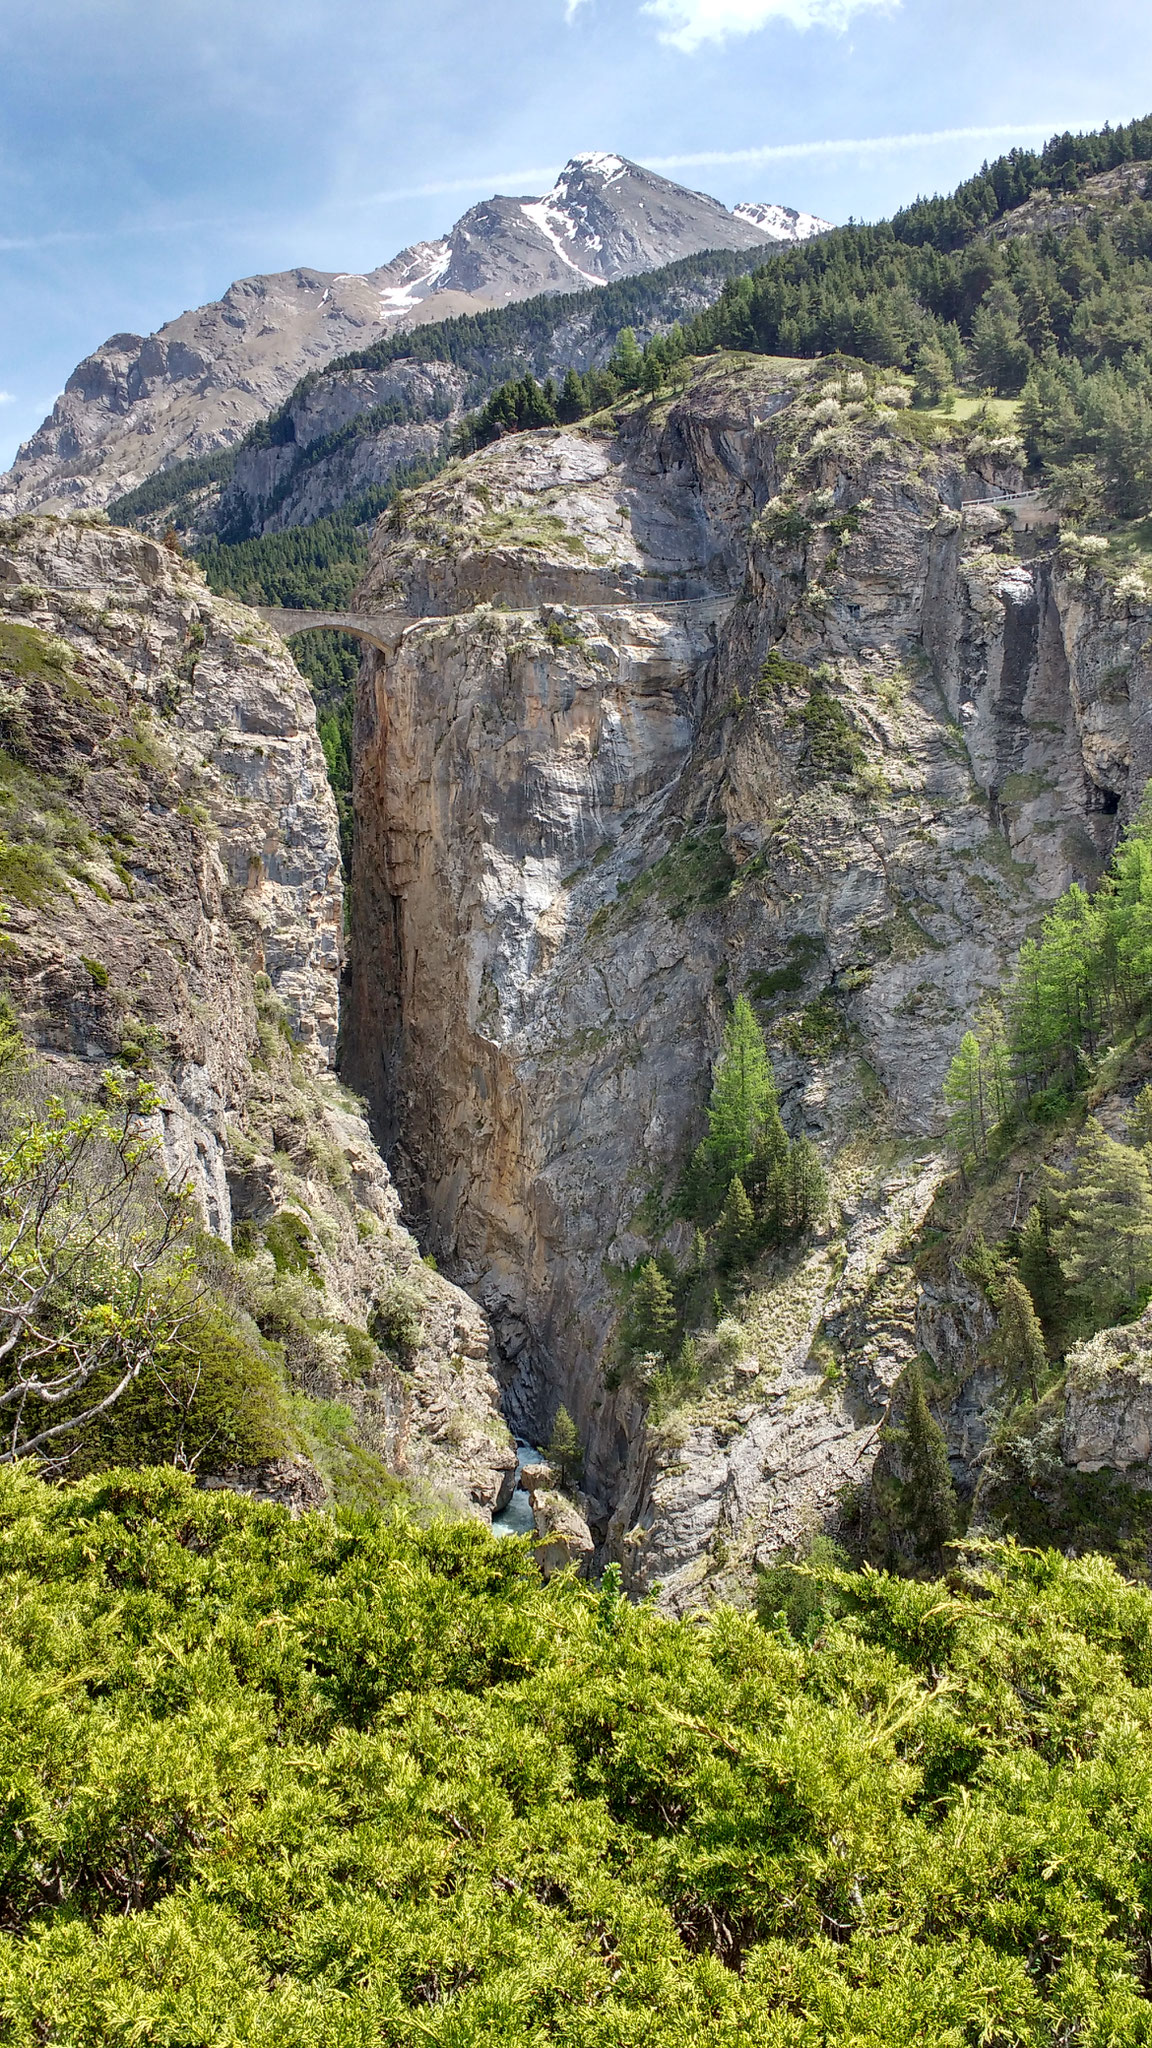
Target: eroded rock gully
190, 922
588, 813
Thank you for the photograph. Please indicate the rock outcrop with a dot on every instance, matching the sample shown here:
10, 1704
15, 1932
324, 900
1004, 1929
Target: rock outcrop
170, 867
1108, 1403
741, 692
142, 402
563, 1537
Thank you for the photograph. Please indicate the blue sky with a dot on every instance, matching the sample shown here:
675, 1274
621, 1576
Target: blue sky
149, 153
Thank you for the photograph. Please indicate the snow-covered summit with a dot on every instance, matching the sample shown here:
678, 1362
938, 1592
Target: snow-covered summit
596, 164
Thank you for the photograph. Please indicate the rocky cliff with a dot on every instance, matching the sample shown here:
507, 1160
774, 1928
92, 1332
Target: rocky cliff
142, 402
747, 690
169, 866
340, 438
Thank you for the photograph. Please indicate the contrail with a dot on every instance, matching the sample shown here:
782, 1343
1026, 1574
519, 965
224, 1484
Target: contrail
867, 145
539, 176
116, 234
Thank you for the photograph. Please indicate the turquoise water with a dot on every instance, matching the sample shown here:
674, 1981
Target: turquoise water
516, 1518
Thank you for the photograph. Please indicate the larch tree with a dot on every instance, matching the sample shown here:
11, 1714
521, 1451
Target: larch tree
1105, 1243
964, 1098
1140, 1121
650, 1320
1039, 1265
95, 1266
743, 1112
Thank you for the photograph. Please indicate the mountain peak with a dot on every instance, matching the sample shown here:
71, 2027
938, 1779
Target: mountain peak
596, 164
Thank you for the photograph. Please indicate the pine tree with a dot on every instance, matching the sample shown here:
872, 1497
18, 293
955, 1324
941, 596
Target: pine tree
650, 1322
934, 374
564, 1450
743, 1113
1018, 1344
572, 403
1000, 354
736, 1232
766, 1178
1039, 1265
807, 1185
1105, 1244
928, 1496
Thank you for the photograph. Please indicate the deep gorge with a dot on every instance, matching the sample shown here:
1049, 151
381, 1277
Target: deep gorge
592, 806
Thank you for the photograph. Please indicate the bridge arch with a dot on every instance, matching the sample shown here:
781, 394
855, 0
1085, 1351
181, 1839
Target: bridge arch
383, 629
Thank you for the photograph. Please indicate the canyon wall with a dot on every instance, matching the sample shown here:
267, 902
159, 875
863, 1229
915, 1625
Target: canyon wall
749, 690
170, 870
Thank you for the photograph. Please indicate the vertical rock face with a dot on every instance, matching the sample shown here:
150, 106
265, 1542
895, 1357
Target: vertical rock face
170, 867
739, 694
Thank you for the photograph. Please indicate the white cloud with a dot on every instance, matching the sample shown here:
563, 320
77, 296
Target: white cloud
688, 23
7, 398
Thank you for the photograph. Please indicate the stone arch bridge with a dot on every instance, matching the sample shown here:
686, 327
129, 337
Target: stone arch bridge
382, 629
386, 629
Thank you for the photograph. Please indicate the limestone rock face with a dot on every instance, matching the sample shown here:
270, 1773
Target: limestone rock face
174, 903
733, 694
1108, 1403
140, 402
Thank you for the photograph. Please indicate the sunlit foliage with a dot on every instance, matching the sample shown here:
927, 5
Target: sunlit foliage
348, 1783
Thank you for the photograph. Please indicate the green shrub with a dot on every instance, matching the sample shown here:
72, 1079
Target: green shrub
830, 747
781, 678
346, 1780
215, 1399
289, 1240
801, 1589
33, 656
397, 1318
28, 875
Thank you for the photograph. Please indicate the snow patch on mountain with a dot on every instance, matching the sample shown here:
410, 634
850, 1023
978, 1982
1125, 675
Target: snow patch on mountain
554, 221
782, 223
421, 276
